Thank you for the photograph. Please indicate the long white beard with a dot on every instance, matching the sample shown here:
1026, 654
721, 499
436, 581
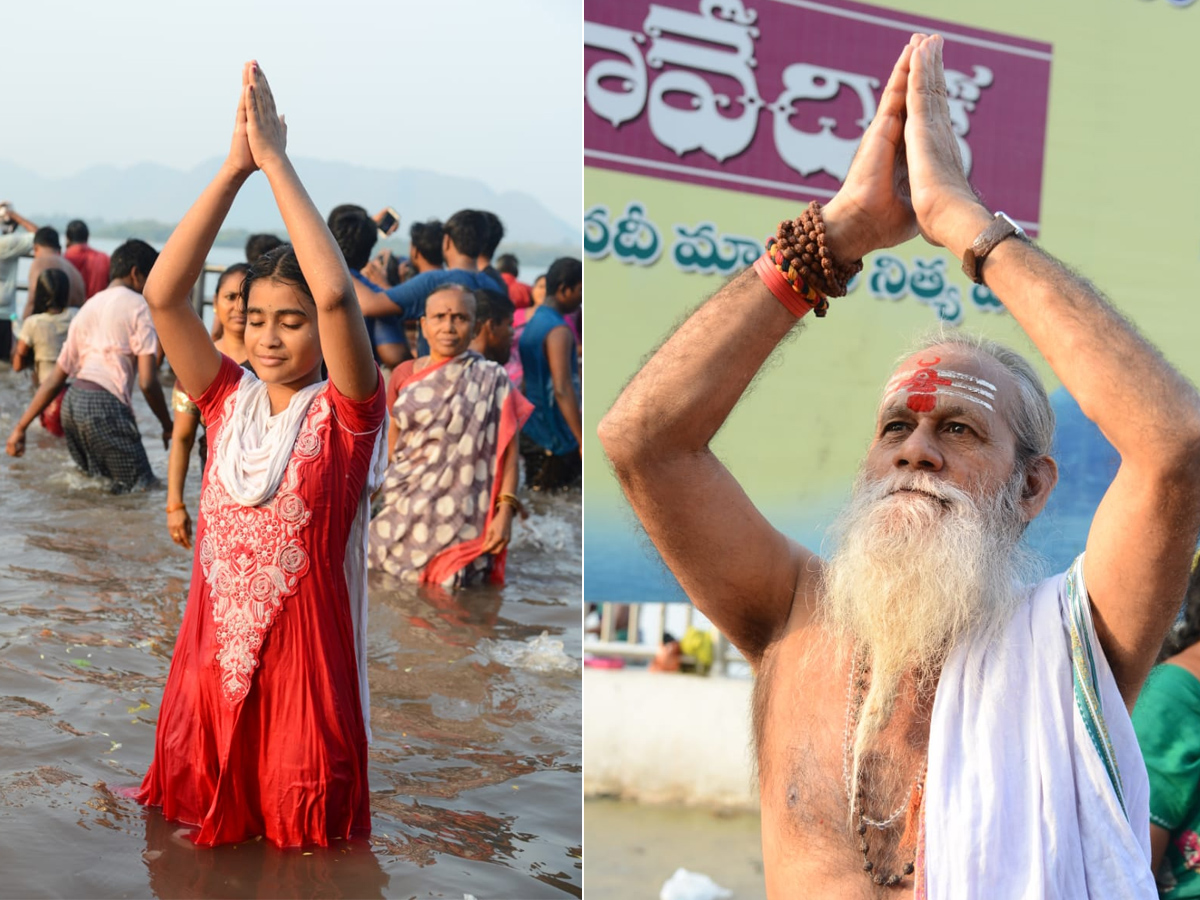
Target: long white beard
913, 576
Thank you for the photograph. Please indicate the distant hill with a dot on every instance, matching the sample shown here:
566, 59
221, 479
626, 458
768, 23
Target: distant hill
147, 191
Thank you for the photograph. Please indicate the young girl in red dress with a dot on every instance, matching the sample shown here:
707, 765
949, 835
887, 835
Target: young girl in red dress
264, 722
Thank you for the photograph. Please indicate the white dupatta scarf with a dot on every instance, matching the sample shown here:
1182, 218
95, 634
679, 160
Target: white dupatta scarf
251, 459
256, 446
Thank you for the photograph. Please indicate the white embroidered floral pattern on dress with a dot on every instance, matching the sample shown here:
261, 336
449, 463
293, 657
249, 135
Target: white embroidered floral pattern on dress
252, 557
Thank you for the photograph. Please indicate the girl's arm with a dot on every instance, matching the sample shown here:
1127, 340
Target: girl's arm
183, 335
179, 523
344, 341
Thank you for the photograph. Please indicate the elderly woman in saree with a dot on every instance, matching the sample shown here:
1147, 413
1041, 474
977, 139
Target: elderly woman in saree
449, 494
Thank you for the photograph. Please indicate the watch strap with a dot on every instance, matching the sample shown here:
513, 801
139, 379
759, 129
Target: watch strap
1000, 229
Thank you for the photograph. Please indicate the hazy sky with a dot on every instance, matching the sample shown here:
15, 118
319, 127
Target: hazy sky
476, 88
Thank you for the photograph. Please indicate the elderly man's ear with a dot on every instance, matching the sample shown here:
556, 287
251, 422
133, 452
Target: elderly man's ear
1041, 475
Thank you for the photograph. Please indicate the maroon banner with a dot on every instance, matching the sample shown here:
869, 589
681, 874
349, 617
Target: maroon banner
771, 97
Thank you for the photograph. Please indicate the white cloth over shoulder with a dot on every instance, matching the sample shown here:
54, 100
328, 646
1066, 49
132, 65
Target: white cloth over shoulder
1036, 787
257, 446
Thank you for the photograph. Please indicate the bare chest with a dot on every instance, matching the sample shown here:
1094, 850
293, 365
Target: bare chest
817, 818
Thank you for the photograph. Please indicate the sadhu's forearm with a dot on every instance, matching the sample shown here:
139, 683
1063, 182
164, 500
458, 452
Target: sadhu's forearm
1144, 406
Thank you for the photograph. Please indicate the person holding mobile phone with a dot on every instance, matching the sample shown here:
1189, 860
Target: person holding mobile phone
355, 233
462, 240
388, 221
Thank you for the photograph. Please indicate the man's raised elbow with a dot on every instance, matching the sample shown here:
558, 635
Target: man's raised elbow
1179, 452
607, 434
619, 438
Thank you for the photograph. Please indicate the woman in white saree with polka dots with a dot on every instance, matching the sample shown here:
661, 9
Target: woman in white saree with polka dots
448, 496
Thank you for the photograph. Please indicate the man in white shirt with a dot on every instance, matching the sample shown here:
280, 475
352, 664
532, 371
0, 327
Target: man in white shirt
13, 245
111, 341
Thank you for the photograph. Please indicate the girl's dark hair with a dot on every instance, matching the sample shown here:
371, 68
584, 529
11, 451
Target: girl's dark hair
236, 269
51, 292
279, 264
1186, 630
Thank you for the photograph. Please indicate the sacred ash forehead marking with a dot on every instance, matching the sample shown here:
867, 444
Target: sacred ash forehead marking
926, 383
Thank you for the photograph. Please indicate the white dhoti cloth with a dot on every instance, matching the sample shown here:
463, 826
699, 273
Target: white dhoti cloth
1036, 787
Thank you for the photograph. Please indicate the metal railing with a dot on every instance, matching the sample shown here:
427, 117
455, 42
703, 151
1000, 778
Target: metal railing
198, 295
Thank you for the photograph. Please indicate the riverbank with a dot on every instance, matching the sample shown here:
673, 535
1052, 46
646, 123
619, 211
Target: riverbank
632, 849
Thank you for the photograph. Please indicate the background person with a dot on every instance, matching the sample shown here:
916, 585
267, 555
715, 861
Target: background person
260, 244
14, 244
550, 362
462, 240
356, 233
493, 326
92, 264
1167, 721
518, 291
425, 245
42, 337
46, 255
493, 234
110, 342
449, 494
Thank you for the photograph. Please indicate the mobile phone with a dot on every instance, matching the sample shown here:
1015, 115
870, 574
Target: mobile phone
388, 222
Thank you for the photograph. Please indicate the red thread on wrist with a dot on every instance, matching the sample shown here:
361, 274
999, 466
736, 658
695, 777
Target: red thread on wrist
779, 286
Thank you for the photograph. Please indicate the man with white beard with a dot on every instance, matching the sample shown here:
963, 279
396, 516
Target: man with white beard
927, 720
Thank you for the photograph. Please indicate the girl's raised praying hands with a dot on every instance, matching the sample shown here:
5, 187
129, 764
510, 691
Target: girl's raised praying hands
240, 159
265, 129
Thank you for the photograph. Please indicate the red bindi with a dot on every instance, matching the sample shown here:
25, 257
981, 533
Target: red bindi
921, 402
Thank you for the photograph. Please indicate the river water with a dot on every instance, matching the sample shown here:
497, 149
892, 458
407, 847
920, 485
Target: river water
475, 769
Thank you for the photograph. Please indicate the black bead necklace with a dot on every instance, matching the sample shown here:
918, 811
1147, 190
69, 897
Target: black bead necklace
856, 693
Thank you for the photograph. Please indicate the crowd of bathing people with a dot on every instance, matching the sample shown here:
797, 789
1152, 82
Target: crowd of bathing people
314, 460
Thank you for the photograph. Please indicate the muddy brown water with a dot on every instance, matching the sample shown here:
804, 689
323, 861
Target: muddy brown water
475, 769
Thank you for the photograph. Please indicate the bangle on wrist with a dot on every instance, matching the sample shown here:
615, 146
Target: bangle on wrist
794, 297
509, 499
175, 507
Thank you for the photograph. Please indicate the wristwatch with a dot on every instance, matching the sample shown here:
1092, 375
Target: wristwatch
1002, 227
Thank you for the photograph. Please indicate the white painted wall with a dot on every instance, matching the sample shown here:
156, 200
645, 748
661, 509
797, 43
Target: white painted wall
666, 737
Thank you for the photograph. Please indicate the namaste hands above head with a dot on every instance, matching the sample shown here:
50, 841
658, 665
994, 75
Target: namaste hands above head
259, 132
907, 177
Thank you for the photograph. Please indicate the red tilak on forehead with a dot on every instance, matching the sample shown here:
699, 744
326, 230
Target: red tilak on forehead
922, 386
